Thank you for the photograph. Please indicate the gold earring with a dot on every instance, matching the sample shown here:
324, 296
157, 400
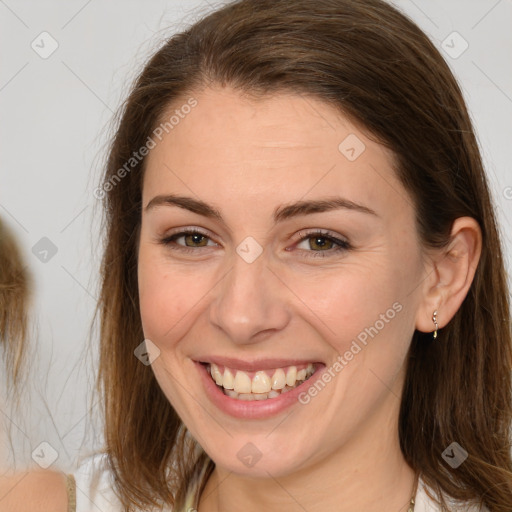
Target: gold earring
434, 319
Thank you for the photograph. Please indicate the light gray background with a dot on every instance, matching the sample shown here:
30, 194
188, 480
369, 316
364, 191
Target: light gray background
55, 115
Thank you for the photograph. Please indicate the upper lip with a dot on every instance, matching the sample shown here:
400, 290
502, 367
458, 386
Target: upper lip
255, 364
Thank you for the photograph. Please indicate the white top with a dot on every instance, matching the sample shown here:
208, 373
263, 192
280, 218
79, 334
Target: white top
94, 491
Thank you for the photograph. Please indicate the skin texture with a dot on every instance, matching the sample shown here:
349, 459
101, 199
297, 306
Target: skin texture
44, 491
246, 158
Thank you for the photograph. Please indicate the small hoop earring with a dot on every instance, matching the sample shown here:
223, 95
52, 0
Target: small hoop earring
434, 319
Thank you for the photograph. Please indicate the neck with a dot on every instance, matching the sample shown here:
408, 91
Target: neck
369, 473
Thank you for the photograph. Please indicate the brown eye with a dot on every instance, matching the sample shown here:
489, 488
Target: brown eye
187, 240
195, 238
321, 244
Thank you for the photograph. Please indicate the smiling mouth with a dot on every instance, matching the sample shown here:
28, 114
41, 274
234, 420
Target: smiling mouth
259, 385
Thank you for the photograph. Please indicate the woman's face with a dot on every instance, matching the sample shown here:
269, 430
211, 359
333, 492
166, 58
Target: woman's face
306, 256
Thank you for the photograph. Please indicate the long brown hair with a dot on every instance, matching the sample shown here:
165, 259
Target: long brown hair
374, 65
15, 282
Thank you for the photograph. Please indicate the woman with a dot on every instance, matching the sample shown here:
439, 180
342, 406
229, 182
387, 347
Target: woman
304, 304
296, 198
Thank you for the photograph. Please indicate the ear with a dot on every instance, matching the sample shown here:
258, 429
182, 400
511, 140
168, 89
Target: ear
449, 275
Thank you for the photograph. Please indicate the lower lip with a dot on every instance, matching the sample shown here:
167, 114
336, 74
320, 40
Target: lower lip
252, 409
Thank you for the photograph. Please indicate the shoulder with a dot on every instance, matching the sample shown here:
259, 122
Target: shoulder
423, 502
33, 490
95, 486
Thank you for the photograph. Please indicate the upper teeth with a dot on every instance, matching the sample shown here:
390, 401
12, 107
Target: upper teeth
261, 382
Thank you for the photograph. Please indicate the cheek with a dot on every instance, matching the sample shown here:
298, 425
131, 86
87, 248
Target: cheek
344, 301
363, 311
166, 296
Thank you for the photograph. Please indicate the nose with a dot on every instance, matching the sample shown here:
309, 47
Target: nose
250, 303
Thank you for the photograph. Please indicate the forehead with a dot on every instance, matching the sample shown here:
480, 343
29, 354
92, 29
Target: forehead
281, 120
276, 147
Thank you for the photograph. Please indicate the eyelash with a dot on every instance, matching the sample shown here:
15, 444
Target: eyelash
342, 245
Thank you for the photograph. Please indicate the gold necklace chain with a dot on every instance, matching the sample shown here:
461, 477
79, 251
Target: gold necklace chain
412, 502
413, 497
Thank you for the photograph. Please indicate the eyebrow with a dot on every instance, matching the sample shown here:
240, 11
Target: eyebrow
281, 213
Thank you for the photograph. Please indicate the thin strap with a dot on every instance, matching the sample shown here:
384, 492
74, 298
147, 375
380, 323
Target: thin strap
71, 490
200, 483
